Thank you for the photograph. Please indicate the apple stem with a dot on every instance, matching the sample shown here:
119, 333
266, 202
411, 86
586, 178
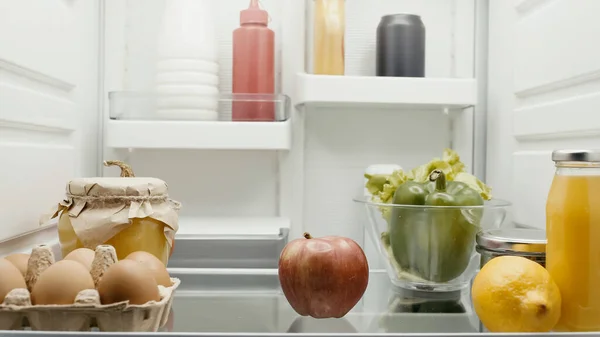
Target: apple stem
307, 235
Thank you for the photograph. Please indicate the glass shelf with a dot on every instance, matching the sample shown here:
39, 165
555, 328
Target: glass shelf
161, 121
151, 106
258, 306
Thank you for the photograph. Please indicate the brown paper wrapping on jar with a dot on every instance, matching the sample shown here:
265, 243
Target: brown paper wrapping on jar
101, 207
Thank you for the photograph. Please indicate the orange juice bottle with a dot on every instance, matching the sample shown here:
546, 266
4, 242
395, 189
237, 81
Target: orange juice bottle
573, 233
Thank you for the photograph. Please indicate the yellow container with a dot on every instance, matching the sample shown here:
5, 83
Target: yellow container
329, 30
573, 231
129, 213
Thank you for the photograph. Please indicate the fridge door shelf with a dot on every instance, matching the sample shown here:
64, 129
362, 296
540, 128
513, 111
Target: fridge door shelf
198, 135
215, 248
147, 120
386, 92
219, 263
226, 279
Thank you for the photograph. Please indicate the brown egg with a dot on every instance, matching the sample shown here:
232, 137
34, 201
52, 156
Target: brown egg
128, 280
20, 261
10, 278
61, 282
155, 265
84, 256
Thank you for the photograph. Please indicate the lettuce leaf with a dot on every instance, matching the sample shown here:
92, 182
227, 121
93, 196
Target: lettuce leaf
476, 184
383, 187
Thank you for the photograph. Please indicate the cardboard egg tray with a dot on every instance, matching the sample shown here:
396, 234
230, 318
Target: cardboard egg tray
87, 313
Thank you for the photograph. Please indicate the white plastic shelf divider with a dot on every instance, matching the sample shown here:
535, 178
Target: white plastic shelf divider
228, 226
198, 135
397, 92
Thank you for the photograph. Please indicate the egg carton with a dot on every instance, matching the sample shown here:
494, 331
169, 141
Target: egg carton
86, 313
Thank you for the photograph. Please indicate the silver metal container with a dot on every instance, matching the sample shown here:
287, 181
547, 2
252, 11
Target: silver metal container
529, 243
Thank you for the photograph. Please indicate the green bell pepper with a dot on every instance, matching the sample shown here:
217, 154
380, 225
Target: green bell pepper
435, 244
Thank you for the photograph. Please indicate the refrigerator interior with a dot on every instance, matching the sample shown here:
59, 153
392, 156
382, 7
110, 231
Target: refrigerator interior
486, 61
504, 86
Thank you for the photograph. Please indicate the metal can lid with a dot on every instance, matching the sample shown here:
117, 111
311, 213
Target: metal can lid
402, 15
513, 240
576, 155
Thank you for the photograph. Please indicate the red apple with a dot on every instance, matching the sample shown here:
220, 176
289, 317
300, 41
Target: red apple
323, 277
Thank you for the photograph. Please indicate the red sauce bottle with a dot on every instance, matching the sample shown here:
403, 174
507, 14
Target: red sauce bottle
253, 65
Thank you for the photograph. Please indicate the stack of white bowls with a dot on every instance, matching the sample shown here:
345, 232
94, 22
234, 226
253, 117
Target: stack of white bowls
187, 72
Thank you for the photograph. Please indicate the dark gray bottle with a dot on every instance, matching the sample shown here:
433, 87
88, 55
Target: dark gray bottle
401, 46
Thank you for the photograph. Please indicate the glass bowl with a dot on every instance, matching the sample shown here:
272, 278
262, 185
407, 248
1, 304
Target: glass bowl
430, 248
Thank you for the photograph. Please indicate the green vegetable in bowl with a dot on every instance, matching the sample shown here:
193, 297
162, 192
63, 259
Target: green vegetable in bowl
382, 187
432, 244
435, 244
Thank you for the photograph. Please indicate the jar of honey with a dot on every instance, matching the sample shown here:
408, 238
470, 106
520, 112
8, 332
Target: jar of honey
573, 235
130, 213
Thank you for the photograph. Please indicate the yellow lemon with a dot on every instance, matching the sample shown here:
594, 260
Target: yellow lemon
515, 294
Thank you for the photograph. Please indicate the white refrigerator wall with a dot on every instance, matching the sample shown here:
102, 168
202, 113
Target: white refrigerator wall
543, 95
313, 184
48, 104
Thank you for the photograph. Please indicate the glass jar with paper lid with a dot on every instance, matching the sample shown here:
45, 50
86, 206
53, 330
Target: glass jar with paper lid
130, 213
